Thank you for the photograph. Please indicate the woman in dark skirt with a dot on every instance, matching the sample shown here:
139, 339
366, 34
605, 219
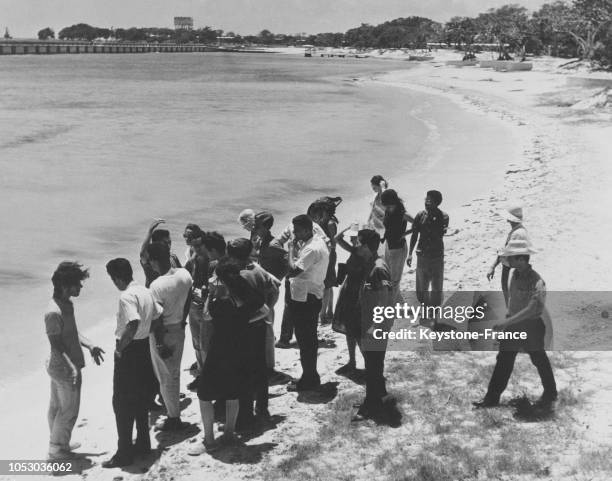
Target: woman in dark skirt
225, 374
347, 317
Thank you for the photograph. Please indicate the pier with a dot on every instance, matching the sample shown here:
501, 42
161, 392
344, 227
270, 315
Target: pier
53, 47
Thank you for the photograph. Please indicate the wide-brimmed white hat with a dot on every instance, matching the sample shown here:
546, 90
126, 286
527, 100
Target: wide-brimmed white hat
513, 213
517, 247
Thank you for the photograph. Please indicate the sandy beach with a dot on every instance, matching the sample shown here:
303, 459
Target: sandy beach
558, 167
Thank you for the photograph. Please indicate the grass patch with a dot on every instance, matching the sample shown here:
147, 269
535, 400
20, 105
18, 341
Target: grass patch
596, 461
441, 437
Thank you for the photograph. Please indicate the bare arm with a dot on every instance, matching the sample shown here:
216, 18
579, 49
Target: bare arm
531, 311
187, 306
293, 269
57, 344
147, 239
341, 242
157, 328
95, 351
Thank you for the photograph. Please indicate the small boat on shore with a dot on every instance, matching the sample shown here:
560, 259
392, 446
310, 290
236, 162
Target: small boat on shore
506, 65
420, 58
462, 63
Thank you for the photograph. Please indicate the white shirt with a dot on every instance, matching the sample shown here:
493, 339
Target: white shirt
312, 258
136, 303
171, 291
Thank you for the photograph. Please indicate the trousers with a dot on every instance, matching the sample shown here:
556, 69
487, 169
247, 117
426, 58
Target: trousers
430, 274
304, 316
63, 409
505, 365
168, 371
131, 397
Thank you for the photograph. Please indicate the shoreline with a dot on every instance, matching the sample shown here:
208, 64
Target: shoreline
546, 171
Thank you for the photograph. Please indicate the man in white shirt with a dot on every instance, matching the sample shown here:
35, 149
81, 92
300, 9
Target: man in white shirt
289, 235
133, 369
308, 259
172, 290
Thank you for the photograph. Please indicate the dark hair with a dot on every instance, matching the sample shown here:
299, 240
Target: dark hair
214, 240
227, 269
159, 235
302, 221
193, 227
370, 238
390, 197
435, 195
240, 249
120, 268
377, 179
68, 274
228, 272
325, 204
264, 219
158, 251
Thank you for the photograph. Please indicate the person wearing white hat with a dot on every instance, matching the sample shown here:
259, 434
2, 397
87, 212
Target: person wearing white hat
527, 295
514, 216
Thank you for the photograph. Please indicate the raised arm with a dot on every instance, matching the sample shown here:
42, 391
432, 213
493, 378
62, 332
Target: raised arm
147, 239
339, 239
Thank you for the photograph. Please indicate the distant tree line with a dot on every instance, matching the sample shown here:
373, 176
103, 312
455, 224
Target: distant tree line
573, 28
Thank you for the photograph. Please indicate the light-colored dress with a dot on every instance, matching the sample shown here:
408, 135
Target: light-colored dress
377, 215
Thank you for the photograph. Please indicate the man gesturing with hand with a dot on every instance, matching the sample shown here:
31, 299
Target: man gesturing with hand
66, 359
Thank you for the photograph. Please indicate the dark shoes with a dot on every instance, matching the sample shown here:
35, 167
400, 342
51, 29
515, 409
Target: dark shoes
346, 369
486, 403
283, 344
118, 461
296, 386
193, 385
546, 400
172, 424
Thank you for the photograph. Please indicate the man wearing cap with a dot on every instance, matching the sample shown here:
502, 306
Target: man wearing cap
514, 216
527, 295
428, 229
308, 260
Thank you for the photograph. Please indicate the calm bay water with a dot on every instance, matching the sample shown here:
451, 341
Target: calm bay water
92, 147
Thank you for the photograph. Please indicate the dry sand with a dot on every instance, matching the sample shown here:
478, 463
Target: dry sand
561, 177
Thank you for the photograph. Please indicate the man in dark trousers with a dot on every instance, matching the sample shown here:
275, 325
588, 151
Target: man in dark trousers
308, 260
133, 369
428, 229
527, 295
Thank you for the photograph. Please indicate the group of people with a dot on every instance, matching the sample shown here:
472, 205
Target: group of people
227, 291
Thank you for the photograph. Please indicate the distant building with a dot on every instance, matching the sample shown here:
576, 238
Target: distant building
183, 23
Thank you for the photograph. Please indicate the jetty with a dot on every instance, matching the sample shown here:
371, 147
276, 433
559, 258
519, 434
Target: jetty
52, 47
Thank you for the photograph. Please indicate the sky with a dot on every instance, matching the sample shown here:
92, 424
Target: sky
24, 18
